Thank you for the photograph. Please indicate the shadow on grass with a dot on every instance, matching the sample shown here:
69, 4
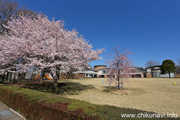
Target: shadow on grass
69, 88
124, 91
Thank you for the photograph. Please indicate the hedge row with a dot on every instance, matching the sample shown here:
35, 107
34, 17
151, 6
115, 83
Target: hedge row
35, 110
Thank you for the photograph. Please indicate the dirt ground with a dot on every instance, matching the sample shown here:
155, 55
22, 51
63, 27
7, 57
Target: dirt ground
150, 94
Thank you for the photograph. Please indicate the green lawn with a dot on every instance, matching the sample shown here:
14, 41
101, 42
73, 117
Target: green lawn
103, 111
158, 95
93, 96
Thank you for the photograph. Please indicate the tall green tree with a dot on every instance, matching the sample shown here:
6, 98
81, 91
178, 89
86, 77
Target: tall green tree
168, 66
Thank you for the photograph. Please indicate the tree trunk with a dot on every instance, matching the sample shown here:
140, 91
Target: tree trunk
42, 77
71, 74
55, 89
3, 77
169, 74
68, 75
8, 76
118, 83
55, 85
14, 78
57, 75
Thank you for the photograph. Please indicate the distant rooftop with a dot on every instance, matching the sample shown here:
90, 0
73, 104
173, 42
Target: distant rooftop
154, 66
100, 66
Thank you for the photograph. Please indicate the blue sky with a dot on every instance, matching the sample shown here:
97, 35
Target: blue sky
148, 28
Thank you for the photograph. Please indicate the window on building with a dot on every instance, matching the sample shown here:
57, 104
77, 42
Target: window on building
104, 71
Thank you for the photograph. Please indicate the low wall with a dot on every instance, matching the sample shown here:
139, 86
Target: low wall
71, 76
177, 75
148, 75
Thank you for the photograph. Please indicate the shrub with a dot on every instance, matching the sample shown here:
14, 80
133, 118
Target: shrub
36, 110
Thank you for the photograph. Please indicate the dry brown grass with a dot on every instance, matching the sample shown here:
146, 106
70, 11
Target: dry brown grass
149, 94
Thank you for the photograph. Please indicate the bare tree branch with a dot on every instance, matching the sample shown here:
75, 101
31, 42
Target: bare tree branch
10, 9
151, 63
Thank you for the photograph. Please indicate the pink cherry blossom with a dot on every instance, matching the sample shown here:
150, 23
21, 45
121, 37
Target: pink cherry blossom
44, 44
119, 67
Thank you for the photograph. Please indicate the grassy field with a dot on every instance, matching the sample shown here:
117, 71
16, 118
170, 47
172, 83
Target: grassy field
150, 94
104, 112
157, 95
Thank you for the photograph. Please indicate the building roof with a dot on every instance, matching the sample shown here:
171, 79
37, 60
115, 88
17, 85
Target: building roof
136, 67
102, 69
100, 66
153, 66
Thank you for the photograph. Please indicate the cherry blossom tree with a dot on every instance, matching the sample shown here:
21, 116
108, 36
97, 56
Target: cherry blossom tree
45, 44
120, 67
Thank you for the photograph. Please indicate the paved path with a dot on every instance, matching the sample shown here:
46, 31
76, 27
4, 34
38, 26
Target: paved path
7, 113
